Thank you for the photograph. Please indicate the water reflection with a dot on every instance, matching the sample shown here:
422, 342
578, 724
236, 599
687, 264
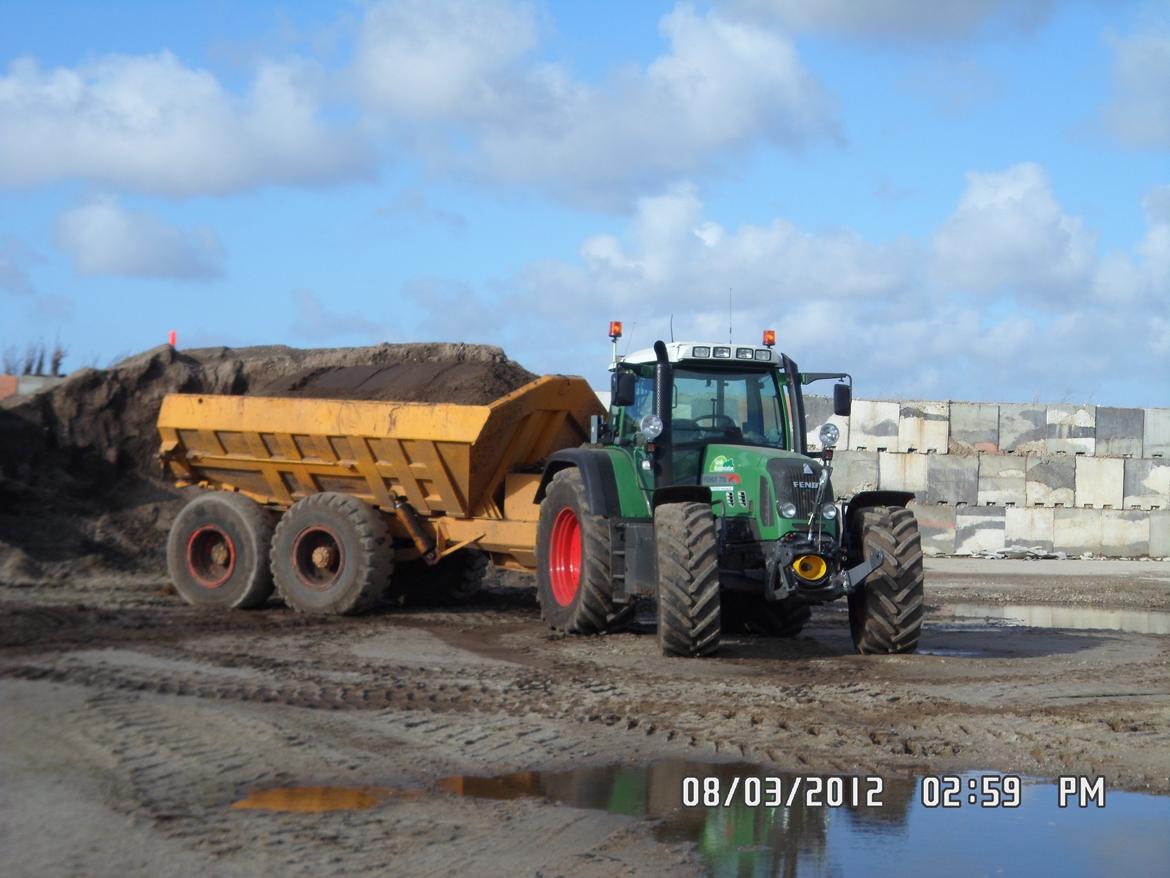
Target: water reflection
736, 840
1085, 618
901, 837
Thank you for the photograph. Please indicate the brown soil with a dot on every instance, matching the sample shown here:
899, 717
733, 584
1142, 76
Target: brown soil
80, 484
132, 722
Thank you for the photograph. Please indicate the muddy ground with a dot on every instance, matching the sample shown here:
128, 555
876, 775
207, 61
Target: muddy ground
132, 722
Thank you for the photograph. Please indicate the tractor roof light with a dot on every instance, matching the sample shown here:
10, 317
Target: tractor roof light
615, 329
769, 338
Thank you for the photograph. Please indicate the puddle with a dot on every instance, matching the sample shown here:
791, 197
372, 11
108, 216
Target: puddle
902, 836
1085, 618
315, 800
951, 652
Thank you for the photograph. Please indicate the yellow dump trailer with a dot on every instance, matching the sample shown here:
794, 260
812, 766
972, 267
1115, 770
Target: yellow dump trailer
362, 486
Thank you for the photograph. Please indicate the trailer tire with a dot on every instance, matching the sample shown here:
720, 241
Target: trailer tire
689, 611
332, 554
217, 551
751, 614
455, 580
885, 613
573, 549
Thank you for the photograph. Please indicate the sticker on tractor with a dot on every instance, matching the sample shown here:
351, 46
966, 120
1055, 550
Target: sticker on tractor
723, 464
725, 480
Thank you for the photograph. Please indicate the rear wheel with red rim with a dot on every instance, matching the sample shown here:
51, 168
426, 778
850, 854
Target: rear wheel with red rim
573, 582
217, 551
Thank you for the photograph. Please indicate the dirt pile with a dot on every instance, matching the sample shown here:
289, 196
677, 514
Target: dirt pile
80, 482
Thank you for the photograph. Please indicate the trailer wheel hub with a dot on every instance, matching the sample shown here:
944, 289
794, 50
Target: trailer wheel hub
211, 556
564, 557
318, 558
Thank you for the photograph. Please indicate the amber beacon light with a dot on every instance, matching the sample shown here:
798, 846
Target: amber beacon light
769, 337
615, 329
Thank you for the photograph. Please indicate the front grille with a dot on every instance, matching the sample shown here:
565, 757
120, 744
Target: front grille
796, 484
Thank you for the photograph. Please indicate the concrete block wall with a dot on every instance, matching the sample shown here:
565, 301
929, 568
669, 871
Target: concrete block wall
993, 476
24, 385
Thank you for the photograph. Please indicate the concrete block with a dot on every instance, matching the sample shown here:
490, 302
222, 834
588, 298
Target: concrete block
1071, 429
1147, 483
854, 471
903, 472
936, 524
1100, 482
873, 426
1119, 432
951, 479
974, 427
30, 384
1023, 428
1156, 436
1125, 534
1160, 534
818, 410
1077, 531
1029, 527
1050, 481
1001, 480
924, 426
8, 386
979, 528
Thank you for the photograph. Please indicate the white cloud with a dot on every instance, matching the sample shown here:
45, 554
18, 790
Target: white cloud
103, 238
439, 60
315, 322
1009, 233
880, 311
898, 19
1139, 113
1143, 277
149, 123
455, 78
13, 276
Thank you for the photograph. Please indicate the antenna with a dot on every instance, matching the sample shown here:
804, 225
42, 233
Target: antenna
672, 327
729, 337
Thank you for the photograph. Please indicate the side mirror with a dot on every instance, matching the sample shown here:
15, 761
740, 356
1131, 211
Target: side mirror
842, 400
622, 388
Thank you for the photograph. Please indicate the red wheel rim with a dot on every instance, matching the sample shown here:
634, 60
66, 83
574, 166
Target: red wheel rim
318, 558
211, 556
564, 557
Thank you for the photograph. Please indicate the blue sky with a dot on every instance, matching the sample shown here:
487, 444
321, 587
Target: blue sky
965, 200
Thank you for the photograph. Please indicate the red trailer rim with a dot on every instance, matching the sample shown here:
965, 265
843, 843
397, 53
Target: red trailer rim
318, 558
564, 557
211, 556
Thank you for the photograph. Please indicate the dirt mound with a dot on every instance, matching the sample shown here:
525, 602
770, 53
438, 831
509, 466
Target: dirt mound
79, 475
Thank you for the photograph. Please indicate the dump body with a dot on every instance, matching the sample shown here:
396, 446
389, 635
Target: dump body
470, 472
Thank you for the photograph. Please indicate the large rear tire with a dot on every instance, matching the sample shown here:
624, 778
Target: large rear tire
689, 618
751, 614
217, 551
573, 546
885, 613
332, 554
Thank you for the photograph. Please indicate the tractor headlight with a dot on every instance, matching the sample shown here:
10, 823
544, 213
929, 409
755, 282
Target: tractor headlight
788, 510
829, 511
650, 427
829, 435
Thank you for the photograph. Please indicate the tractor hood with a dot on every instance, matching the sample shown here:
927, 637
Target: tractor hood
754, 481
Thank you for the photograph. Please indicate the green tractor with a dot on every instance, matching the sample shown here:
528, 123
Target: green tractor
699, 490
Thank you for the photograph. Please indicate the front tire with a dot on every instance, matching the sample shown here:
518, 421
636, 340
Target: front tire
885, 613
217, 552
689, 617
573, 546
332, 554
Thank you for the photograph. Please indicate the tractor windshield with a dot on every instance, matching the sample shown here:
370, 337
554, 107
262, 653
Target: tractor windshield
738, 407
